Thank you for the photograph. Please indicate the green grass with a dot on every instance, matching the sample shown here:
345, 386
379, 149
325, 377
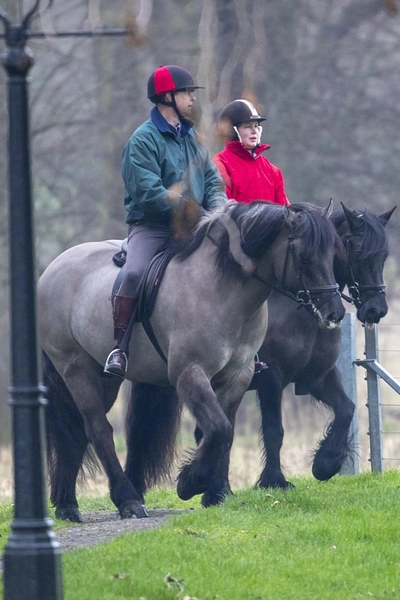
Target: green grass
338, 540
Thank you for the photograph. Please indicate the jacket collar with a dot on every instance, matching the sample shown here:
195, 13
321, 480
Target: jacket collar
238, 148
162, 124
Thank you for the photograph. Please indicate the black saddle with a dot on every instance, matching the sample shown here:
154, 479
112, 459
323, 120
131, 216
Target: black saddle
149, 285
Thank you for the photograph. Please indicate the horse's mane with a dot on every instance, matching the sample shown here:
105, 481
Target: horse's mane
374, 239
259, 223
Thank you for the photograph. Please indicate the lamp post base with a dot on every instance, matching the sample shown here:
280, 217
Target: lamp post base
32, 562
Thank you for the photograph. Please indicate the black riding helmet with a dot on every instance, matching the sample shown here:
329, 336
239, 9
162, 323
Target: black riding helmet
237, 112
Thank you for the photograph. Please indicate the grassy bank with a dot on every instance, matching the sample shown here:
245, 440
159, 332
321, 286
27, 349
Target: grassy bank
338, 540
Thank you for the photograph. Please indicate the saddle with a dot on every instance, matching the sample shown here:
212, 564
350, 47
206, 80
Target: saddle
148, 290
149, 285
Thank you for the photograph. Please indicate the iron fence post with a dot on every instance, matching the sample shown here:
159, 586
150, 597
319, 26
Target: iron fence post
32, 560
346, 366
374, 402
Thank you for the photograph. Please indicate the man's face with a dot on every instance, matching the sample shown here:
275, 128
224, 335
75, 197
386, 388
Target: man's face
184, 101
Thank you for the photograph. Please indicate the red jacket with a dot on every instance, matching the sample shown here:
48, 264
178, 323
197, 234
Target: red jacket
248, 178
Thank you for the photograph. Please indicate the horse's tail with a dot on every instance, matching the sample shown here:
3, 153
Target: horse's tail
67, 444
152, 423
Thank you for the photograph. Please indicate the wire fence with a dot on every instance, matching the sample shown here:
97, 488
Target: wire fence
381, 350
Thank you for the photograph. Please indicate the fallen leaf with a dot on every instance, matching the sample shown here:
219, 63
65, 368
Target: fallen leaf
173, 582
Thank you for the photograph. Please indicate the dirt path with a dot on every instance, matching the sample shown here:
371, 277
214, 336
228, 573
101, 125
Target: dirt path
99, 527
104, 526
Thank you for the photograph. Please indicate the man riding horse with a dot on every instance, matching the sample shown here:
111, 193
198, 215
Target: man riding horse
162, 160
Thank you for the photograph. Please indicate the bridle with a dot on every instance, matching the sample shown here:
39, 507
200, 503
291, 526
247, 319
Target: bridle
304, 296
355, 289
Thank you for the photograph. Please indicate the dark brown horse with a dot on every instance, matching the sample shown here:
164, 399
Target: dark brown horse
297, 350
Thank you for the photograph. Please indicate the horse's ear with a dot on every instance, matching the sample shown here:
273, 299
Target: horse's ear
354, 221
328, 210
235, 246
386, 216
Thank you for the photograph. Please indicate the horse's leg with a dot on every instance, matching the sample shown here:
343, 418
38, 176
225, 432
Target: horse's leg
334, 448
212, 455
269, 392
66, 444
220, 489
89, 390
152, 423
229, 397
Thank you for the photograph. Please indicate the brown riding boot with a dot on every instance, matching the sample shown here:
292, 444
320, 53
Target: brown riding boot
117, 360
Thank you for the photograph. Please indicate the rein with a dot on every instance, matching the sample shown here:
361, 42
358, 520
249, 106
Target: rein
355, 289
303, 297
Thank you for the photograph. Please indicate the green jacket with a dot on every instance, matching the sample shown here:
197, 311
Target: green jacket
154, 158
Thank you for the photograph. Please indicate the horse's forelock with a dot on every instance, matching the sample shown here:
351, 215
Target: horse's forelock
374, 241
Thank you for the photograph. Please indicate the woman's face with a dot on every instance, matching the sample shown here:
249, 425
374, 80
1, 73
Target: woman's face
250, 133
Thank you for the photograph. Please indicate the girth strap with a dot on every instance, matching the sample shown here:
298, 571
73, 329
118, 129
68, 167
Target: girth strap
152, 337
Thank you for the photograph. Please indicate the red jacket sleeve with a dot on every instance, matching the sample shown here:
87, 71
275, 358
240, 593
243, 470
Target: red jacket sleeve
224, 174
280, 196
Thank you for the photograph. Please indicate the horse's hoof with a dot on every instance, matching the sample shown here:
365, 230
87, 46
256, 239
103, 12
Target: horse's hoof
327, 464
280, 483
70, 513
185, 492
211, 498
186, 488
324, 471
132, 510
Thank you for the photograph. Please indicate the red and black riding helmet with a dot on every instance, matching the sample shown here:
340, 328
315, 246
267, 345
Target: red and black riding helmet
169, 78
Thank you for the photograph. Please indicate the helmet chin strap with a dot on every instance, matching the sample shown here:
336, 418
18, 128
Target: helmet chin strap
259, 133
237, 133
173, 105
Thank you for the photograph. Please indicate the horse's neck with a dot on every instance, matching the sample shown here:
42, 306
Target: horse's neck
198, 278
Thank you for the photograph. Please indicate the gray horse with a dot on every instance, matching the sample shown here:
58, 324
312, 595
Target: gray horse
209, 320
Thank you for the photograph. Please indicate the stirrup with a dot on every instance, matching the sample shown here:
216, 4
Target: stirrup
259, 365
114, 368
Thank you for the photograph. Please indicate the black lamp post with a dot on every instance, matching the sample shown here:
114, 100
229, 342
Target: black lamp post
32, 563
